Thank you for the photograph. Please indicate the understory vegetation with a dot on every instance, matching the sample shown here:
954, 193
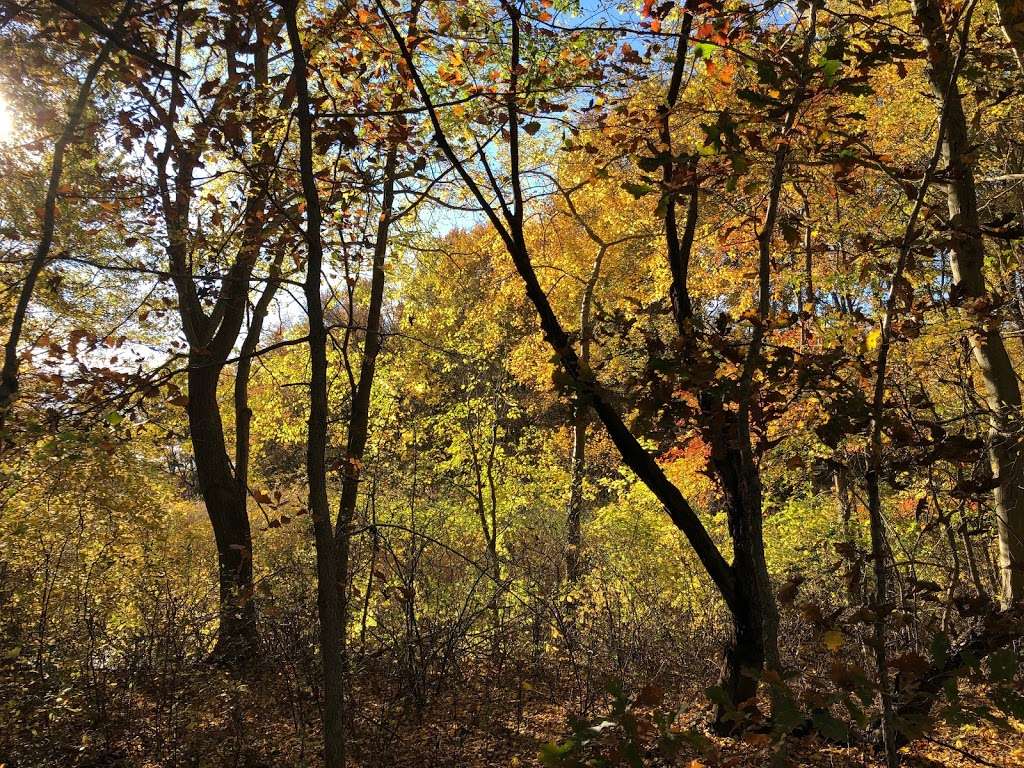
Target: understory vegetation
511, 382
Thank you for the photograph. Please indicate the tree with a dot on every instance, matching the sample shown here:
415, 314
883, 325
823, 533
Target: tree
967, 258
212, 322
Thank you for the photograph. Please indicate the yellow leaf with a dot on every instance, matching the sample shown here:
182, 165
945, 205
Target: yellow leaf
833, 640
874, 339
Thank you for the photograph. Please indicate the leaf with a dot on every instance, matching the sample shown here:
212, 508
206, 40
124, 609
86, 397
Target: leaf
651, 696
829, 726
703, 50
637, 190
553, 754
830, 68
873, 340
833, 639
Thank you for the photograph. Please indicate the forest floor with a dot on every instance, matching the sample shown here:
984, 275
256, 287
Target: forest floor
516, 742
207, 719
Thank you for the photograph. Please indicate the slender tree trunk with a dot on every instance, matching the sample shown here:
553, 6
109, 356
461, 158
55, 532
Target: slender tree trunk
808, 298
879, 560
359, 419
574, 515
1002, 392
580, 424
9, 372
972, 563
330, 587
225, 505
243, 374
841, 485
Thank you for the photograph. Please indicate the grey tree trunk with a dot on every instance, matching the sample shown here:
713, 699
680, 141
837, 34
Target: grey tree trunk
1002, 392
1011, 17
580, 425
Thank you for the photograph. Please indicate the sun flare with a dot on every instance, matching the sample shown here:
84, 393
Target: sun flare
6, 121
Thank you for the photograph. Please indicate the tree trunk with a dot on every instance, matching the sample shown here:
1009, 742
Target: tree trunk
225, 504
574, 515
1011, 17
359, 419
580, 425
243, 374
9, 372
1002, 393
754, 642
329, 585
841, 485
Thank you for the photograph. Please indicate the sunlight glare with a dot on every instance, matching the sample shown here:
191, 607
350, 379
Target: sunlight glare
6, 121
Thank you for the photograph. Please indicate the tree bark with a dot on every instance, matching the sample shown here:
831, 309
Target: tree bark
580, 425
243, 374
574, 514
754, 643
211, 336
225, 504
359, 418
330, 587
967, 257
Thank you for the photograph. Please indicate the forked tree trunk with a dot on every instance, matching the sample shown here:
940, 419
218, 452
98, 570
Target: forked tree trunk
754, 643
225, 504
1002, 392
211, 337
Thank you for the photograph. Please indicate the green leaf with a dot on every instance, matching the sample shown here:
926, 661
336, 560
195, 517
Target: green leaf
637, 190
703, 50
553, 754
830, 68
650, 164
830, 727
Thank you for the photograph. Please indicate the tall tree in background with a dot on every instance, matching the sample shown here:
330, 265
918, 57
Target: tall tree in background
967, 258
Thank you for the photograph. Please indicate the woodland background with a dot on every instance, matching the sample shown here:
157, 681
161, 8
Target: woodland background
511, 382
